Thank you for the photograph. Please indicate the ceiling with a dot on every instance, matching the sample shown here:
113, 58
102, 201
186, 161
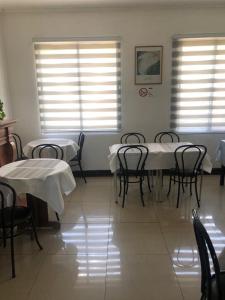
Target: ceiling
23, 4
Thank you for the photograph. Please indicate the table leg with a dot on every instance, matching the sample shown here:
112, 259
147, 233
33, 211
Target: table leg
222, 175
40, 213
159, 185
115, 187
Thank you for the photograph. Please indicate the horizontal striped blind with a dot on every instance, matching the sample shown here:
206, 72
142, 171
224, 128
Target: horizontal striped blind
198, 84
78, 85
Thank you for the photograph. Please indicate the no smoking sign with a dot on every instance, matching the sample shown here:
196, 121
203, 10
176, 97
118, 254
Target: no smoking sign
144, 92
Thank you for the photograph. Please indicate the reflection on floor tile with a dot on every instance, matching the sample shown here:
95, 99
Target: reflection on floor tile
105, 252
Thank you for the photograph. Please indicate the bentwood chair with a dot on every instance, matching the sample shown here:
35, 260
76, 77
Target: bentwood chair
166, 137
132, 137
188, 163
19, 148
14, 219
48, 150
212, 284
132, 160
136, 138
77, 159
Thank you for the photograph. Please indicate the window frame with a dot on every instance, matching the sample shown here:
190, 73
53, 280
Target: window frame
119, 85
191, 36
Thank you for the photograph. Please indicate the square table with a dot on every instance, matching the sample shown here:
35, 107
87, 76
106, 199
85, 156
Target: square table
45, 179
161, 157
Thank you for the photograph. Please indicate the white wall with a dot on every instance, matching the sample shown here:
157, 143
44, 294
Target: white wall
135, 27
4, 88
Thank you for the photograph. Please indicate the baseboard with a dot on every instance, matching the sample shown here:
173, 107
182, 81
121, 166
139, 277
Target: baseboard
94, 173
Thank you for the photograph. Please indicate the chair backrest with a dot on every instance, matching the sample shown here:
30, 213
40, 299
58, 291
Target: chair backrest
18, 144
189, 158
166, 136
7, 204
132, 137
47, 150
80, 144
132, 157
205, 248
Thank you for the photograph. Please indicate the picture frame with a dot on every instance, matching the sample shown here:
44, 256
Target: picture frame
148, 64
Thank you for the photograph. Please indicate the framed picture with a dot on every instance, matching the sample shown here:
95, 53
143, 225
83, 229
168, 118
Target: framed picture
148, 64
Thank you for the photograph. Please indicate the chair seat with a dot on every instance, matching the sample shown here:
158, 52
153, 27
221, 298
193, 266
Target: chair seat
186, 173
21, 215
133, 173
214, 287
75, 158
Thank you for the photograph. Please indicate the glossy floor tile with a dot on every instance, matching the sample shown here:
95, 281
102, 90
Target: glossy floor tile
104, 252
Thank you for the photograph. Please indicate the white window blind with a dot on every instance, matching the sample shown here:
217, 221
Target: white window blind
78, 85
198, 84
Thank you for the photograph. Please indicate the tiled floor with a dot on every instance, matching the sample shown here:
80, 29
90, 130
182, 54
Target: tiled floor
105, 252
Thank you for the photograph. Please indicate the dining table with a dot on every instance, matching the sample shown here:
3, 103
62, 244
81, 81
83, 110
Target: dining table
44, 181
69, 147
160, 157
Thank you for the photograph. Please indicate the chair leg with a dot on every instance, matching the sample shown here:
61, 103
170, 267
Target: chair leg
120, 185
12, 253
4, 237
141, 191
124, 190
35, 233
127, 185
178, 194
169, 186
57, 216
191, 186
81, 170
149, 185
196, 191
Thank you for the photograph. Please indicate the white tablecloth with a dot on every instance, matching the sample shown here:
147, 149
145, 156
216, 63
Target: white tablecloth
69, 147
47, 179
161, 156
220, 152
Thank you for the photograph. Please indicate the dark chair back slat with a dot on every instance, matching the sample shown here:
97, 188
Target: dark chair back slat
19, 148
80, 144
77, 159
189, 158
132, 160
12, 216
51, 150
132, 137
8, 201
205, 248
166, 136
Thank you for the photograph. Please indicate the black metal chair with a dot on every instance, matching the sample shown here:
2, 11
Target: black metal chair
166, 136
212, 285
188, 162
13, 219
132, 165
49, 150
77, 159
19, 148
132, 137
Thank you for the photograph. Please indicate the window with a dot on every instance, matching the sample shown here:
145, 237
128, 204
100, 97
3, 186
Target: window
78, 85
198, 84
